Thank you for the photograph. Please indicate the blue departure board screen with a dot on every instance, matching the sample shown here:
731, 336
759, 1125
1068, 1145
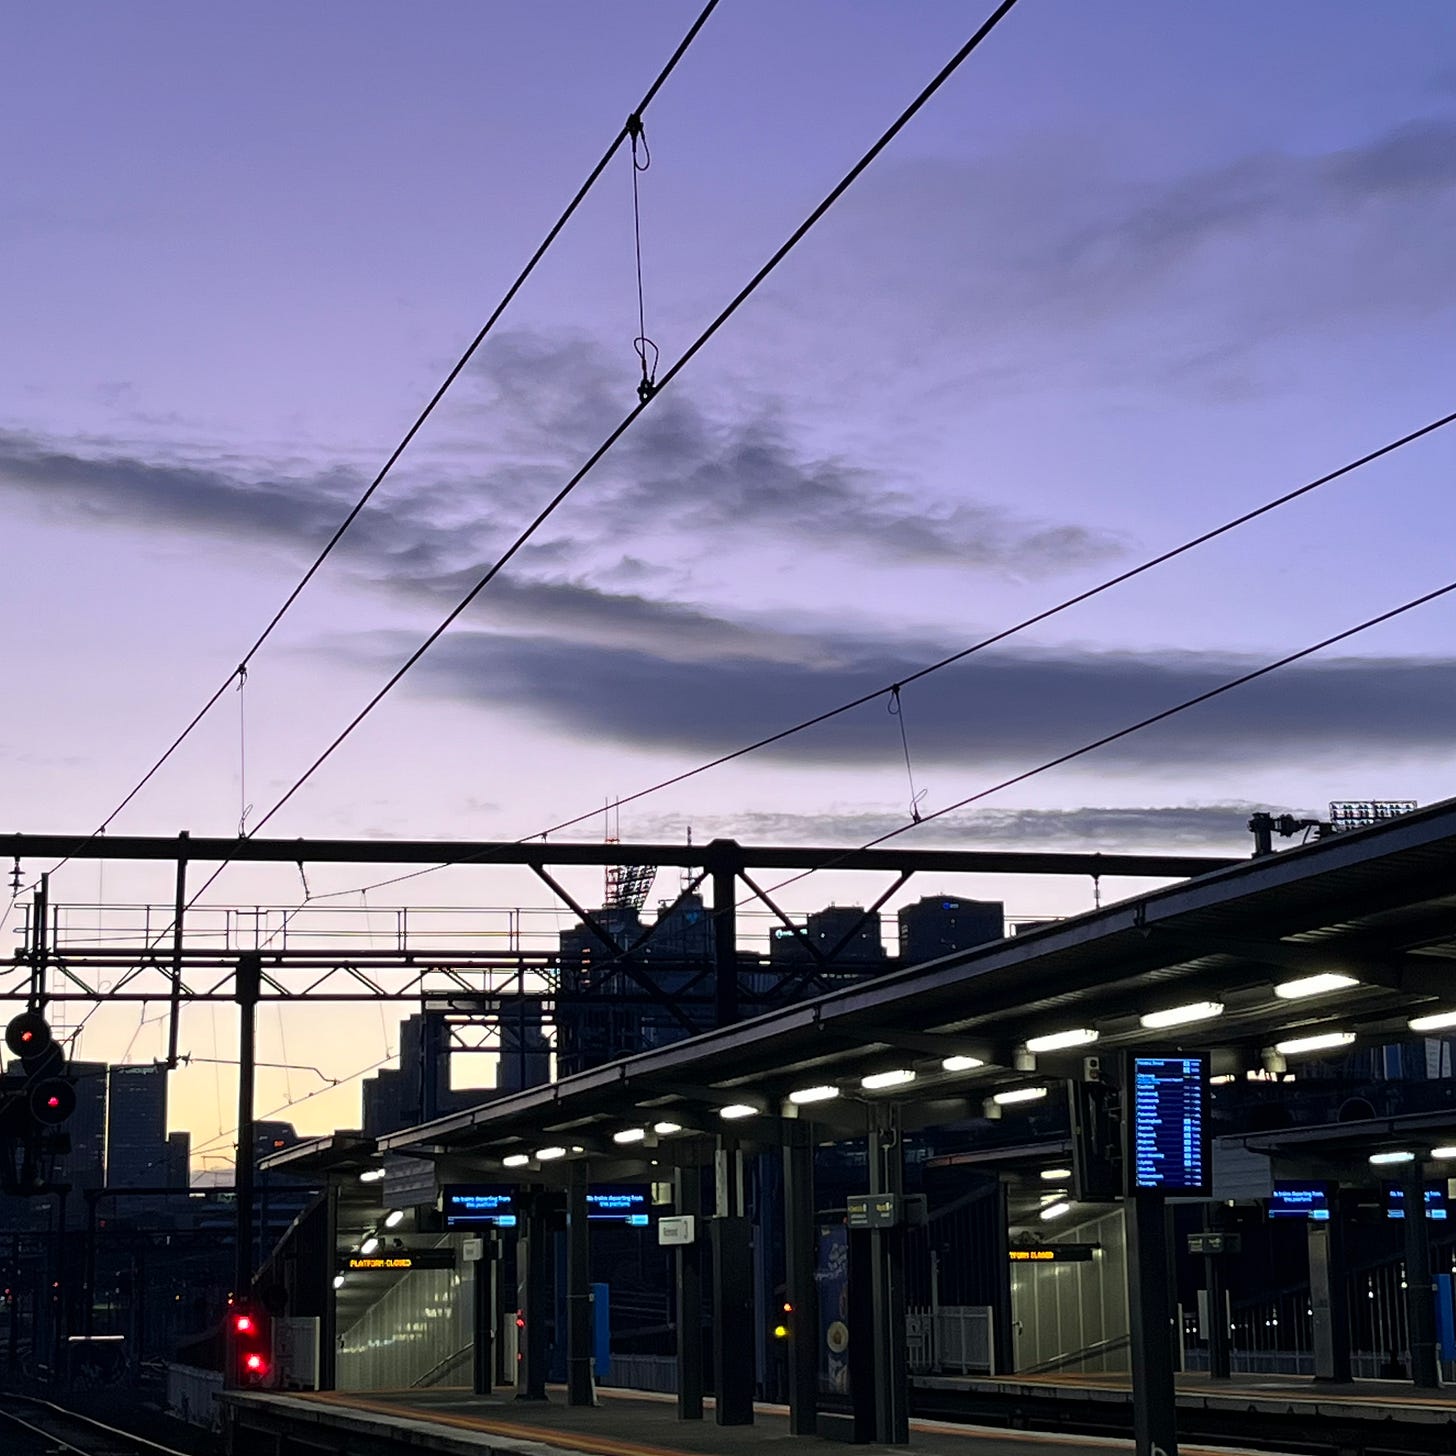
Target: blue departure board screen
1436, 1206
629, 1203
479, 1205
1300, 1200
1167, 1115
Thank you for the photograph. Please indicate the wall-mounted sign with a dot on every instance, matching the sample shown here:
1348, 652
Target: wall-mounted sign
1215, 1243
1054, 1254
629, 1203
1436, 1206
1166, 1107
679, 1230
478, 1205
872, 1210
1302, 1199
399, 1261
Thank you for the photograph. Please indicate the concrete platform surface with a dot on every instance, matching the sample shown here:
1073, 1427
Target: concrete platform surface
1380, 1400
639, 1424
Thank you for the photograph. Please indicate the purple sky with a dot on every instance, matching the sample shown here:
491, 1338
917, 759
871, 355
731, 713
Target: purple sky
1139, 267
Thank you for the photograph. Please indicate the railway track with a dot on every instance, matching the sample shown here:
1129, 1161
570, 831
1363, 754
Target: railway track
33, 1427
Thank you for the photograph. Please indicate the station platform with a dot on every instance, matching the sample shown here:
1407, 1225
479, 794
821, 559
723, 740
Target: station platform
454, 1422
1274, 1395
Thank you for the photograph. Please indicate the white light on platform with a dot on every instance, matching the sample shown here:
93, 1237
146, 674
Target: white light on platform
806, 1095
1325, 1041
1314, 985
666, 1129
516, 1160
1056, 1210
883, 1081
368, 1246
1443, 1154
1436, 1021
549, 1155
1052, 1175
394, 1218
1018, 1094
961, 1064
630, 1135
737, 1110
1379, 1159
1182, 1015
372, 1176
338, 1281
1058, 1041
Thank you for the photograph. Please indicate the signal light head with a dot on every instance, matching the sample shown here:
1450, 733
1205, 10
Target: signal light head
28, 1035
243, 1324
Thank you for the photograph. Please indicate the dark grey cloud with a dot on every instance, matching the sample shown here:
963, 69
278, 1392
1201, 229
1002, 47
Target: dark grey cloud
689, 472
1197, 828
997, 711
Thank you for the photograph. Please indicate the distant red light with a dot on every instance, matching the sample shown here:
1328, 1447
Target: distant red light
53, 1100
27, 1036
255, 1365
243, 1324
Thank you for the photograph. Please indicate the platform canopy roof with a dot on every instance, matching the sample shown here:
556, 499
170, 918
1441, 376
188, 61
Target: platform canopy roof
1353, 934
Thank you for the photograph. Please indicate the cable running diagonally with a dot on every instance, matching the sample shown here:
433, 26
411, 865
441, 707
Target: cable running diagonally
1198, 698
439, 394
1003, 635
546, 511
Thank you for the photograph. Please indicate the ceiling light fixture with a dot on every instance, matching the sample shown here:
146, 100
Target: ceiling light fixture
1060, 1040
961, 1064
1018, 1094
737, 1110
1052, 1174
666, 1129
1443, 1154
882, 1081
630, 1135
373, 1175
1325, 1041
1056, 1210
1314, 985
1436, 1021
394, 1218
805, 1095
515, 1160
368, 1246
1377, 1159
1182, 1015
548, 1155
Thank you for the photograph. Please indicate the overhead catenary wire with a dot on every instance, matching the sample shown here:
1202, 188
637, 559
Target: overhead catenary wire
1003, 635
565, 491
1242, 680
240, 672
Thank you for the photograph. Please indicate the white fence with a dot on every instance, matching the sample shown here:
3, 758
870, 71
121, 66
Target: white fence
192, 1395
952, 1340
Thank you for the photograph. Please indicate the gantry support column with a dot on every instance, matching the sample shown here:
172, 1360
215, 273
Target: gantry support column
1328, 1299
733, 1311
688, 1197
1420, 1285
578, 1289
887, 1285
1150, 1312
533, 1265
803, 1314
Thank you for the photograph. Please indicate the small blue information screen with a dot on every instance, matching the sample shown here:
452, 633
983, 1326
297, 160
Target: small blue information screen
1167, 1114
629, 1203
478, 1205
1436, 1205
1300, 1200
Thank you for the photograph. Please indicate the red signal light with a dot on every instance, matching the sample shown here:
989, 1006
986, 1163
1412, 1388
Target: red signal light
243, 1324
53, 1100
27, 1036
255, 1364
